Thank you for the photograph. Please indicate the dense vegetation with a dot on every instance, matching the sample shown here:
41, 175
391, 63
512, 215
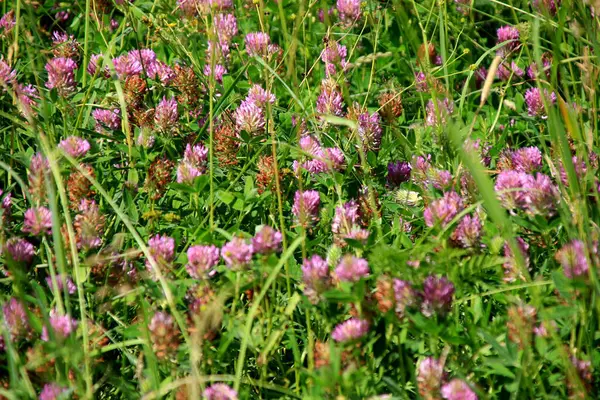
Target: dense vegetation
318, 199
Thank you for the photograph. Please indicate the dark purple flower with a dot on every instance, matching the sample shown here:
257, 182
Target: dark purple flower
237, 253
398, 172
437, 295
266, 241
350, 330
369, 130
352, 269
573, 259
442, 211
19, 250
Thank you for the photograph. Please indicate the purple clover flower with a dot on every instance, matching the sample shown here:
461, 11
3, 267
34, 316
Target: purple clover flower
15, 318
443, 210
511, 36
237, 253
257, 44
437, 295
350, 330
74, 146
404, 295
166, 115
19, 250
202, 260
219, 391
107, 119
534, 98
457, 389
162, 251
348, 11
38, 221
352, 269
249, 117
306, 206
398, 172
468, 231
61, 75
267, 241
52, 391
445, 108
573, 259
193, 163
62, 326
430, 374
527, 159
61, 281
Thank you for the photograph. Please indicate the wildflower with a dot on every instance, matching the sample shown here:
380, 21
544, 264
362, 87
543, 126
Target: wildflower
442, 211
162, 251
390, 106
249, 117
520, 323
548, 6
225, 26
61, 75
92, 66
532, 70
505, 71
511, 36
541, 195
219, 391
430, 373
193, 163
467, 232
237, 253
260, 96
79, 187
439, 116
38, 221
227, 145
52, 391
8, 21
74, 146
257, 44
582, 383
369, 130
62, 326
266, 241
573, 259
352, 269
107, 119
510, 186
38, 168
349, 330
61, 282
15, 319
19, 250
457, 389
404, 296
159, 175
164, 335
330, 100
535, 102
421, 82
511, 271
334, 56
89, 225
527, 159
8, 76
114, 25
348, 11
420, 169
440, 179
315, 275
218, 73
306, 206
64, 45
166, 115
345, 217
202, 260
437, 295
127, 66
146, 58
